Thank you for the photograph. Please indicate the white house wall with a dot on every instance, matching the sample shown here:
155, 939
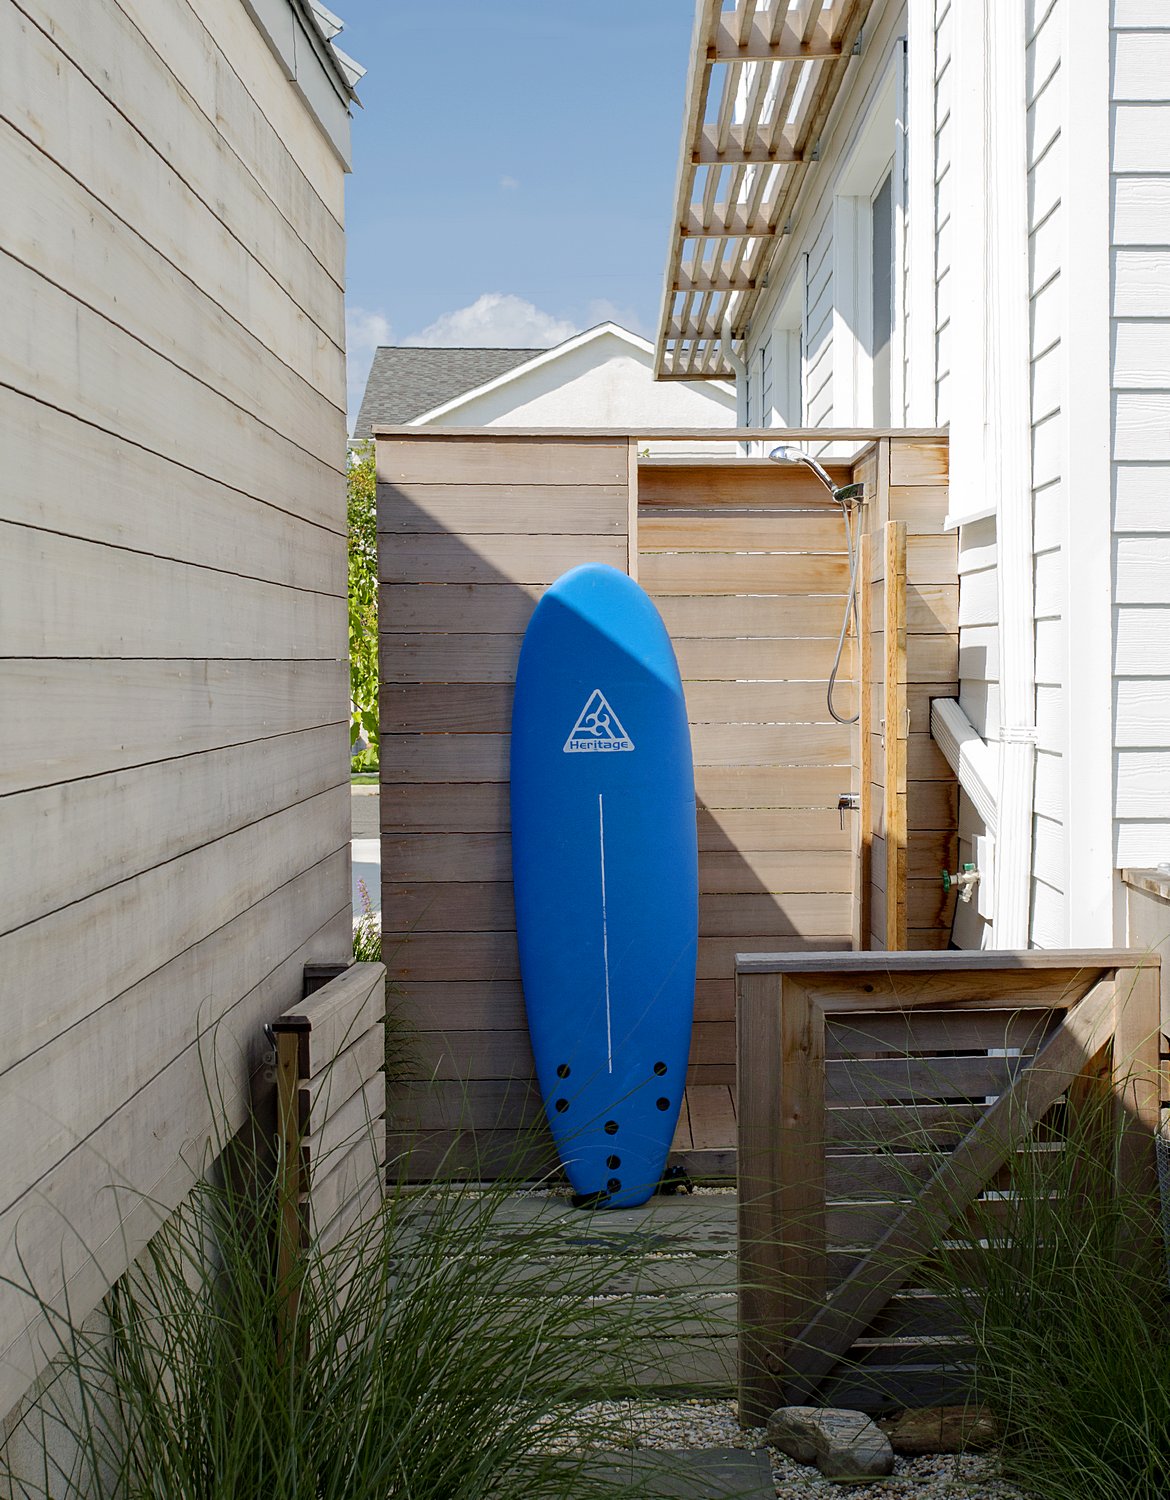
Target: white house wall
603, 383
1141, 428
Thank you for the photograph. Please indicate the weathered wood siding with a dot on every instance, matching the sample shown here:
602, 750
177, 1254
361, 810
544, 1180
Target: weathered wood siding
173, 798
747, 565
470, 533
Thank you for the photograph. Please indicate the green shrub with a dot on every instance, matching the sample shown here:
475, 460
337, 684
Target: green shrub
361, 513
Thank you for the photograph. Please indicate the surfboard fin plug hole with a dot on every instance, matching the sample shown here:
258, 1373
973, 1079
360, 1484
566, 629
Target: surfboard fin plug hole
663, 1103
563, 1070
614, 1185
611, 1127
561, 1106
660, 1068
613, 1162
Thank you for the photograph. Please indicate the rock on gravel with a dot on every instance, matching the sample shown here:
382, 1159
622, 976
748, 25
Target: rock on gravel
843, 1444
941, 1429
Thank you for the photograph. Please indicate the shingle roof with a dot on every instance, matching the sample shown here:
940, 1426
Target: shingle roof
403, 383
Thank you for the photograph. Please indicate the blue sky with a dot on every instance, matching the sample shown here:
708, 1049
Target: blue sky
513, 168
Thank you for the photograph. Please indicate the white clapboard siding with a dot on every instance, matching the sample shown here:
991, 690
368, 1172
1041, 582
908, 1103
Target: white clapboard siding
1140, 643
59, 110
86, 364
1141, 210
135, 712
65, 842
82, 246
101, 41
1141, 137
943, 177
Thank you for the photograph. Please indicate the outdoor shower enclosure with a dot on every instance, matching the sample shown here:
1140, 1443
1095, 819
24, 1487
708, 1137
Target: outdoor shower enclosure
813, 835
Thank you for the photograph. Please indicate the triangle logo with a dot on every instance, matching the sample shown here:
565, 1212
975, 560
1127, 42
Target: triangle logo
597, 728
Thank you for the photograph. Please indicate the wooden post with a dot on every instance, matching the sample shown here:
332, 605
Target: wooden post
1137, 1071
632, 511
781, 1044
291, 1228
863, 851
897, 733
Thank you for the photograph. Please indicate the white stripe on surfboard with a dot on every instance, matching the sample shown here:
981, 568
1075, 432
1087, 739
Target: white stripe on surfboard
605, 933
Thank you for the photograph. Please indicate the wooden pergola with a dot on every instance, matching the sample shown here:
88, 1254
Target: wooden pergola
763, 77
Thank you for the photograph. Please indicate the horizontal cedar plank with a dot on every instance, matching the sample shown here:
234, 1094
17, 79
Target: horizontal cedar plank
929, 658
910, 1127
56, 224
87, 365
713, 1045
770, 744
913, 1079
758, 871
484, 1155
1033, 978
931, 608
457, 1005
457, 608
112, 52
448, 905
469, 510
918, 700
929, 559
763, 702
937, 1031
63, 597
722, 486
57, 1008
924, 760
443, 707
711, 615
486, 956
466, 1054
62, 113
819, 916
141, 711
728, 831
717, 955
929, 805
362, 1112
436, 459
923, 507
152, 1146
788, 660
929, 938
919, 461
449, 658
64, 843
928, 905
348, 1178
469, 807
740, 787
711, 1075
445, 757
508, 1104
742, 573
338, 1012
349, 1072
927, 855
494, 558
446, 856
206, 523
784, 532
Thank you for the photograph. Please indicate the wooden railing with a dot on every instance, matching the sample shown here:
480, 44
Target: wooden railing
862, 1076
331, 1107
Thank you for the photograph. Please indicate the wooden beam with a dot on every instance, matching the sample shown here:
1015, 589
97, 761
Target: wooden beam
759, 46
728, 220
712, 282
707, 149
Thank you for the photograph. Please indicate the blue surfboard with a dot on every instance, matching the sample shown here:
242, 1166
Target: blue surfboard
605, 870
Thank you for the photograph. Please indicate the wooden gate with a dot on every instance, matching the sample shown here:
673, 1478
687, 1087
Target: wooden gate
859, 1077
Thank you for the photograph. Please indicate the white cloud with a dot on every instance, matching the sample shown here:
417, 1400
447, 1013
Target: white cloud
364, 331
498, 319
509, 184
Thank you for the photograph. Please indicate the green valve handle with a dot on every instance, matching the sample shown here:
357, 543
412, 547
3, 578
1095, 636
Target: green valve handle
956, 882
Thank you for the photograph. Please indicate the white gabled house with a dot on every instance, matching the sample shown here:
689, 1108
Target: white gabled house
603, 377
957, 213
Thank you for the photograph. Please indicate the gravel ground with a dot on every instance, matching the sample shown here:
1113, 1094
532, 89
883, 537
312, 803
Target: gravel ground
713, 1424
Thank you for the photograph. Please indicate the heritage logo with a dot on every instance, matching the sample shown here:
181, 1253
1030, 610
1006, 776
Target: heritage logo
597, 728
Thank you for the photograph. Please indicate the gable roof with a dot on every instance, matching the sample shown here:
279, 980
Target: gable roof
405, 382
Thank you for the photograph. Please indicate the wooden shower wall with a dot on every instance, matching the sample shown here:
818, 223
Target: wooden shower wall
746, 562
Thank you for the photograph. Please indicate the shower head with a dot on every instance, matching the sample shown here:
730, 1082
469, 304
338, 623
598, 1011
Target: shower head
841, 493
